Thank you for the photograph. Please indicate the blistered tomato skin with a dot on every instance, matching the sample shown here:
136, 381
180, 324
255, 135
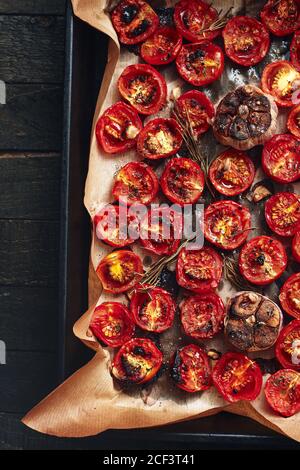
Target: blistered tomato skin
160, 138
190, 369
262, 260
290, 296
282, 392
293, 122
118, 128
199, 270
281, 79
237, 377
281, 158
282, 212
135, 183
295, 50
109, 228
193, 19
197, 108
134, 21
120, 271
246, 40
111, 324
288, 346
226, 224
138, 361
281, 17
162, 47
143, 87
296, 247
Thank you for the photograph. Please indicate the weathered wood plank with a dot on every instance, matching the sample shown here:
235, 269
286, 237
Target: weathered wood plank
31, 120
34, 49
19, 7
25, 379
29, 318
29, 252
30, 186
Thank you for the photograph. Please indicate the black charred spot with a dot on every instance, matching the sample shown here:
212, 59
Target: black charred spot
130, 369
128, 13
165, 16
167, 281
139, 351
140, 29
176, 369
260, 259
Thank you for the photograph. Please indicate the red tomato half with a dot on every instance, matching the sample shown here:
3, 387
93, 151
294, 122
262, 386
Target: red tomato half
152, 308
293, 122
281, 79
138, 361
115, 228
281, 16
199, 270
182, 181
237, 377
295, 50
195, 107
232, 172
136, 182
143, 87
200, 64
160, 138
134, 21
281, 158
117, 128
202, 316
162, 47
226, 224
296, 247
262, 260
246, 40
193, 19
190, 369
111, 324
290, 296
282, 212
120, 271
282, 391
161, 231
288, 346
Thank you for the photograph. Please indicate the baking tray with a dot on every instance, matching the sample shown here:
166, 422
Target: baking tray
86, 52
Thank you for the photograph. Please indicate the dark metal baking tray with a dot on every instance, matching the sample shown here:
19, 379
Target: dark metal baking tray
85, 63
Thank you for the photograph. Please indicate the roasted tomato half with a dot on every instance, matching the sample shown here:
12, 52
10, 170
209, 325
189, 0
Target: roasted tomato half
296, 247
134, 21
262, 260
281, 158
282, 213
237, 377
232, 172
182, 181
196, 108
281, 79
135, 183
295, 50
281, 16
115, 226
199, 270
160, 138
111, 324
118, 127
152, 308
246, 40
226, 224
288, 346
120, 271
143, 87
193, 19
200, 64
138, 361
293, 122
202, 316
290, 296
190, 369
282, 391
161, 231
162, 47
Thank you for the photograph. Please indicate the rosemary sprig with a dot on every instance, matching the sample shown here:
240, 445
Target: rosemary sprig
232, 274
192, 144
152, 275
220, 22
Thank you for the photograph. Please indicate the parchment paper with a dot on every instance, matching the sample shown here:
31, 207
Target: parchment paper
90, 401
